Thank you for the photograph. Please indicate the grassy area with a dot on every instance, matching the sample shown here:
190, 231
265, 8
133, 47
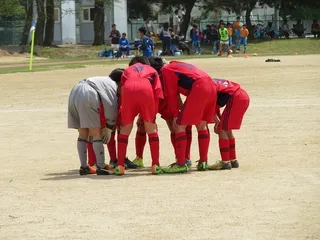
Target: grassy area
279, 46
59, 55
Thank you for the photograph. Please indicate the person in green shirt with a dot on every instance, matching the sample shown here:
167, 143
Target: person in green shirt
224, 38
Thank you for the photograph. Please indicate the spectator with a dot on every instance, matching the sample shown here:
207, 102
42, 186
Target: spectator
149, 26
285, 30
298, 29
115, 37
270, 31
230, 32
206, 33
224, 39
145, 43
196, 40
165, 38
151, 43
244, 33
236, 29
315, 28
214, 38
124, 45
176, 22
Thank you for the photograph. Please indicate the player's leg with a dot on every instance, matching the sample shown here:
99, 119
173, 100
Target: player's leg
232, 150
220, 48
127, 51
140, 142
112, 150
245, 42
188, 147
82, 152
91, 156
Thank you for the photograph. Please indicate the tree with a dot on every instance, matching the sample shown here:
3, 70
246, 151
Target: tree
49, 29
28, 5
98, 23
139, 8
40, 22
11, 9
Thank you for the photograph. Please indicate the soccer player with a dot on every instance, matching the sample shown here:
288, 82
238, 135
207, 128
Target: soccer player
145, 43
236, 102
196, 40
140, 93
224, 39
198, 109
157, 63
86, 100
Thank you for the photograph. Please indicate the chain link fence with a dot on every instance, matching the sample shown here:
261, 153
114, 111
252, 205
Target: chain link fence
11, 32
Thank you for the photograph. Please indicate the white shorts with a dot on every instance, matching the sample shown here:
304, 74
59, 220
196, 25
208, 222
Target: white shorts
224, 42
115, 46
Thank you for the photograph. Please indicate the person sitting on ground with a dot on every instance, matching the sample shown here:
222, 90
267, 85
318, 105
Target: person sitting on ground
285, 29
315, 28
270, 31
124, 46
298, 29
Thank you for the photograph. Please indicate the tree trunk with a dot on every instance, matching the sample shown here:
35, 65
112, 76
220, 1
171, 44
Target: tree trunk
27, 24
98, 21
186, 18
40, 22
249, 9
49, 31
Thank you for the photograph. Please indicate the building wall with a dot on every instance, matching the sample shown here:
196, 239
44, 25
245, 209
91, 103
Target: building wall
57, 34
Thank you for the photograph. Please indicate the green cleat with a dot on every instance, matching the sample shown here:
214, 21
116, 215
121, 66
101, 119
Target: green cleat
138, 161
119, 170
202, 166
175, 168
156, 170
221, 165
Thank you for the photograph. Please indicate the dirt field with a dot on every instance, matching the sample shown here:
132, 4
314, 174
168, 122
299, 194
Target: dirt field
275, 194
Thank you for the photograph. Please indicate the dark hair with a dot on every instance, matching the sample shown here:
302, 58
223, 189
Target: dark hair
143, 30
139, 59
238, 17
195, 26
113, 25
176, 11
228, 23
166, 26
116, 74
156, 62
208, 26
124, 34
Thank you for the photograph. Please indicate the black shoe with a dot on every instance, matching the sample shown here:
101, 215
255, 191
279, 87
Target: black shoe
234, 163
86, 170
129, 164
102, 171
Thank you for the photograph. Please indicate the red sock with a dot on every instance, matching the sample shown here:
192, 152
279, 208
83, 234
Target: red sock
224, 149
203, 142
189, 140
232, 149
141, 139
112, 148
181, 144
91, 156
122, 148
154, 148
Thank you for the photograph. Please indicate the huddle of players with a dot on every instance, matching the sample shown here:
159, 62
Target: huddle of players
100, 105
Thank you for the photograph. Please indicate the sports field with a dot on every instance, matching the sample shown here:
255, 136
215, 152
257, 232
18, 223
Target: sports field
275, 194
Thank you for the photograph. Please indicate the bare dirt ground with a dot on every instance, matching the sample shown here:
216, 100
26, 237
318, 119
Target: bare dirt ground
275, 194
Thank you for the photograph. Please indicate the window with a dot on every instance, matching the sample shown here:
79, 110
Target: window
56, 15
88, 14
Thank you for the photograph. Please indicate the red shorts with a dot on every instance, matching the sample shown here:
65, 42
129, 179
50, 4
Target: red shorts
234, 111
200, 104
137, 99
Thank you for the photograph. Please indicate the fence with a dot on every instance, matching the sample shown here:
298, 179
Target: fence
11, 32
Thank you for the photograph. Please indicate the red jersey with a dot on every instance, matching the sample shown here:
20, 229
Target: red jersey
178, 77
143, 74
225, 89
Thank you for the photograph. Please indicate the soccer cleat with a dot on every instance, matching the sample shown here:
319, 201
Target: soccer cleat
87, 170
234, 163
202, 166
175, 168
130, 164
103, 171
155, 169
221, 165
113, 164
188, 163
119, 170
138, 161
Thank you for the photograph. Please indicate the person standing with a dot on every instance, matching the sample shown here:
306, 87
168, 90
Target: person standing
176, 22
115, 37
165, 38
